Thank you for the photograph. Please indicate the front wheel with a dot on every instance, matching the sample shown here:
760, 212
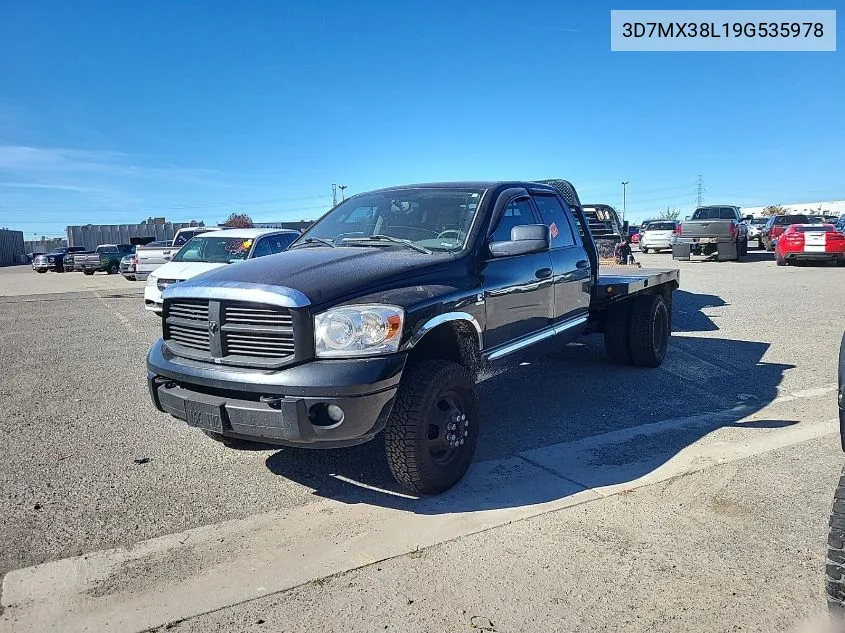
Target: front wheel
113, 269
431, 436
88, 272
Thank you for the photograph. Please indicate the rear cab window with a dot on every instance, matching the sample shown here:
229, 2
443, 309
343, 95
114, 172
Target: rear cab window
556, 217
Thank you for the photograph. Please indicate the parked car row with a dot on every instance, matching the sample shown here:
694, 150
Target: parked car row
721, 230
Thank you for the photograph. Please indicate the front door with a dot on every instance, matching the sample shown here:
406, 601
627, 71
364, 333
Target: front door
517, 290
572, 272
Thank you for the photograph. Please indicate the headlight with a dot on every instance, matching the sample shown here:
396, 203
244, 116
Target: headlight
152, 280
358, 330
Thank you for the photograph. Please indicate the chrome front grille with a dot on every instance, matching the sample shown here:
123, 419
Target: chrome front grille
231, 333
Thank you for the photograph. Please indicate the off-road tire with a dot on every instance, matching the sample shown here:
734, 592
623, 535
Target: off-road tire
617, 333
649, 330
835, 567
406, 434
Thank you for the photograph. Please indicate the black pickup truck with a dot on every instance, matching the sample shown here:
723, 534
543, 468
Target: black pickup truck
382, 314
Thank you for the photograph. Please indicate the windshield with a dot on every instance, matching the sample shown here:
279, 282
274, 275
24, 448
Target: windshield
824, 228
213, 249
185, 236
792, 219
433, 219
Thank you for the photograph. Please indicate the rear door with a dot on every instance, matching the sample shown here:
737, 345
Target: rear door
570, 264
518, 291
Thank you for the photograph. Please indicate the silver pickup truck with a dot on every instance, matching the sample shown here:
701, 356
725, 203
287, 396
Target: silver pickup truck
150, 257
718, 229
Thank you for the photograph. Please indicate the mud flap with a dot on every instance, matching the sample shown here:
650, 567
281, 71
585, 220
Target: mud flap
727, 251
681, 251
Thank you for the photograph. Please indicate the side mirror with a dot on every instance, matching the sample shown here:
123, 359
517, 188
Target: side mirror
525, 239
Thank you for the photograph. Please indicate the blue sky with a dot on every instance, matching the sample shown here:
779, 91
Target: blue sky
112, 112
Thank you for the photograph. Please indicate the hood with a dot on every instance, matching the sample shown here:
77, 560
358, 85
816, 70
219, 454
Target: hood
184, 270
324, 274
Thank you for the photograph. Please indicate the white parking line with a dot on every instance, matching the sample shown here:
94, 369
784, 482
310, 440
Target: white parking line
183, 575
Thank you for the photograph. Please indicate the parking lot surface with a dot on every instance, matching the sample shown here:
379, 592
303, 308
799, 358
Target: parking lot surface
732, 442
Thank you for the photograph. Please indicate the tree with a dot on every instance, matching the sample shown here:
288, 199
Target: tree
669, 214
773, 209
239, 221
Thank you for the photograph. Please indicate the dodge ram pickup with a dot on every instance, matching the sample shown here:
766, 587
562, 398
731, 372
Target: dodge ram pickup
105, 257
379, 318
714, 229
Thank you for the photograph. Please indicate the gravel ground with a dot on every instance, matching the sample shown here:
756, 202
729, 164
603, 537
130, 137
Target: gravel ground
79, 420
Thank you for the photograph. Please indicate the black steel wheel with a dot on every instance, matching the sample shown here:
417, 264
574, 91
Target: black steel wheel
432, 433
649, 330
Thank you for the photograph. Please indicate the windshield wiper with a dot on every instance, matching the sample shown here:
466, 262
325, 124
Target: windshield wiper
313, 240
389, 238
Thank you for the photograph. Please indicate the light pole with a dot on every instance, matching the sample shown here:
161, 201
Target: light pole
342, 192
624, 198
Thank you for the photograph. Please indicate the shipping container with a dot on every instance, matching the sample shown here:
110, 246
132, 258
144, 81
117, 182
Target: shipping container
11, 247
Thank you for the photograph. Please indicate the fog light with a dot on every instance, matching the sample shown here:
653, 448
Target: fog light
326, 415
335, 413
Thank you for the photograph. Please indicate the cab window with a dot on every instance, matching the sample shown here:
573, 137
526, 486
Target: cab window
517, 213
554, 216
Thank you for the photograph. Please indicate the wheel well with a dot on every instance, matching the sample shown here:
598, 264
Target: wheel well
455, 341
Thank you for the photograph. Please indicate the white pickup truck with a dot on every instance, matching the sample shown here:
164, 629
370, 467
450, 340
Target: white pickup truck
148, 258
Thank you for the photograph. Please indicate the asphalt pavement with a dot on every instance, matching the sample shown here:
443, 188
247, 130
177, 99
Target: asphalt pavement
89, 465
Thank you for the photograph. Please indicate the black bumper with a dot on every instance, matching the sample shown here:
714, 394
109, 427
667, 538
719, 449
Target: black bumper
288, 407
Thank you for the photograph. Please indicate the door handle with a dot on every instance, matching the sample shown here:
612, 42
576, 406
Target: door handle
544, 273
583, 263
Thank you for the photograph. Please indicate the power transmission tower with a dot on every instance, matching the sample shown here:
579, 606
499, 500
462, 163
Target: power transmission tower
700, 189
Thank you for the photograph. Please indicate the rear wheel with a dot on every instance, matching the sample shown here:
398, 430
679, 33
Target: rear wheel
113, 268
431, 436
39, 270
643, 250
780, 261
649, 330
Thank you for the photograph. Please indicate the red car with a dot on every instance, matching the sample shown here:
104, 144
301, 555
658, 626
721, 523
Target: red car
635, 238
810, 242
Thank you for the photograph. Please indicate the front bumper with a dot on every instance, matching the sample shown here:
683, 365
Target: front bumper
152, 299
286, 407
